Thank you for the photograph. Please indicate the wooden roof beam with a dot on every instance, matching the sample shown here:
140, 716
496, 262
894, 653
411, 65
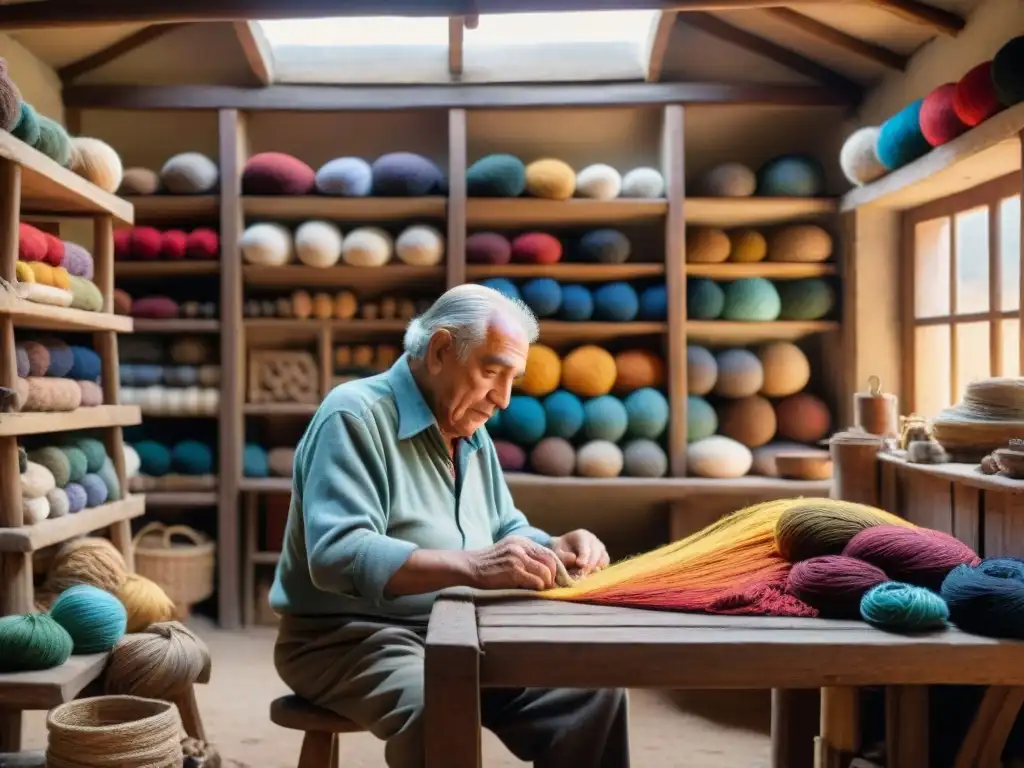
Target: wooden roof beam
839, 39
74, 70
657, 43
916, 12
257, 50
456, 39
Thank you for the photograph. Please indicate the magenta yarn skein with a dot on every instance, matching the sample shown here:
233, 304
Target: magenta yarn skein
919, 556
834, 584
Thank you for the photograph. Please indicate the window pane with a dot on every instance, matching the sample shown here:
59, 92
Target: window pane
931, 369
972, 283
363, 31
1011, 348
931, 268
530, 29
973, 355
1009, 257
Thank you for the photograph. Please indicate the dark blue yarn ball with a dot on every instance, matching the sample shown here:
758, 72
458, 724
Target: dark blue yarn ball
86, 366
577, 303
543, 295
987, 599
616, 302
503, 285
604, 246
654, 303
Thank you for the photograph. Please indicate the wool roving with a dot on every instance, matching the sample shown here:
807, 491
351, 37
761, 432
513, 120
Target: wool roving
96, 161
10, 99
918, 556
834, 584
895, 605
145, 602
93, 617
32, 643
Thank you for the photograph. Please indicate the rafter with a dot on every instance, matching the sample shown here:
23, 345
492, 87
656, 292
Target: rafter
839, 39
946, 22
456, 38
657, 43
74, 70
257, 50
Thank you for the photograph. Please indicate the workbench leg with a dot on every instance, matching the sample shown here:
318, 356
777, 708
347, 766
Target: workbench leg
906, 726
983, 745
839, 739
10, 730
796, 713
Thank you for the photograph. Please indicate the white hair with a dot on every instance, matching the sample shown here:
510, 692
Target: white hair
467, 311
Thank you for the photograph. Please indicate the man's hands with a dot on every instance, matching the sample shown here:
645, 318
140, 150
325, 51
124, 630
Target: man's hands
512, 563
581, 552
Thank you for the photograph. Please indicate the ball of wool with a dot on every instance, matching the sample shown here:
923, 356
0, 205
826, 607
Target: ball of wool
78, 261
740, 373
543, 295
190, 350
523, 421
644, 183
616, 302
939, 120
795, 175
420, 246
26, 127
36, 481
644, 458
550, 179
808, 299
536, 248
96, 491
276, 173
705, 299
919, 556
589, 371
653, 303
202, 243
638, 368
718, 457
345, 177
488, 248
747, 246
32, 243
900, 140
701, 370
553, 457
367, 247
96, 161
802, 243
56, 461
54, 250
977, 597
22, 363
53, 141
497, 175
78, 463
803, 418
145, 603
511, 457
37, 355
180, 375
280, 461
266, 244
598, 182
647, 412
604, 246
599, 458
93, 617
405, 174
748, 420
193, 173
605, 418
897, 606
122, 302
87, 364
155, 308
563, 412
191, 457
858, 157
132, 462
729, 180
707, 245
173, 244
139, 181
808, 530
504, 286
701, 419
85, 295
834, 584
786, 369
145, 243
89, 560
976, 100
10, 99
254, 461
577, 303
154, 458
34, 510
58, 502
77, 497
318, 243
751, 299
33, 643
543, 371
94, 451
1007, 70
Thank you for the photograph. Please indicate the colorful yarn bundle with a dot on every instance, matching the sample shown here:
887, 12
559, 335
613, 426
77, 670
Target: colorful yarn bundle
32, 643
94, 619
906, 606
988, 598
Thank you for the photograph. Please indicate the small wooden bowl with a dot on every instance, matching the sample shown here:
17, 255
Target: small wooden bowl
804, 465
1011, 462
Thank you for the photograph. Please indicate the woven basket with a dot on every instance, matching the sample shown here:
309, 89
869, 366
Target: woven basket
184, 570
113, 732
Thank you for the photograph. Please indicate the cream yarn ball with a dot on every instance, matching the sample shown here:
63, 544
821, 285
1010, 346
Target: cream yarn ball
718, 457
420, 246
132, 461
367, 247
98, 162
645, 183
266, 244
189, 173
858, 157
318, 244
598, 182
599, 458
729, 180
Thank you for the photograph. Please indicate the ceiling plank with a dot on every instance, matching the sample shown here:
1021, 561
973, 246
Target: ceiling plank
257, 50
397, 98
714, 26
70, 72
839, 39
657, 43
946, 22
456, 39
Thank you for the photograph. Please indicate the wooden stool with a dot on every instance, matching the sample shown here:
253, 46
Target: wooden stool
321, 726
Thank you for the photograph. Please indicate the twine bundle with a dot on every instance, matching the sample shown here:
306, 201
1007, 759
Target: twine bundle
990, 415
112, 732
89, 560
160, 663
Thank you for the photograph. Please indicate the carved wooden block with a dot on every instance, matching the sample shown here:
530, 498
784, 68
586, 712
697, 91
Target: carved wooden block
283, 376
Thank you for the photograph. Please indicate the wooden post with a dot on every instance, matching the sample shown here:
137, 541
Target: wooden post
839, 741
455, 252
795, 718
674, 169
855, 468
906, 726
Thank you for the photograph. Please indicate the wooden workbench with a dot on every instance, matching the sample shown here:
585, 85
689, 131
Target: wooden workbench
477, 640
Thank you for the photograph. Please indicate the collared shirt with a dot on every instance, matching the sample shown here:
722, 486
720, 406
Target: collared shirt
372, 482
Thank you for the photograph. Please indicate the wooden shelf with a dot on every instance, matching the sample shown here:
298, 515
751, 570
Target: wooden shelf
667, 489
519, 212
54, 530
49, 688
767, 269
559, 330
265, 558
17, 424
582, 273
265, 485
174, 208
352, 327
29, 314
356, 209
967, 474
177, 325
181, 498
726, 331
49, 188
158, 269
753, 211
986, 152
279, 409
390, 277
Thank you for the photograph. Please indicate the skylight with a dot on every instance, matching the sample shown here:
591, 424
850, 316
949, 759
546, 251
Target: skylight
365, 31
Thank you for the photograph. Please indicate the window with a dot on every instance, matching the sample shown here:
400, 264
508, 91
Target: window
962, 321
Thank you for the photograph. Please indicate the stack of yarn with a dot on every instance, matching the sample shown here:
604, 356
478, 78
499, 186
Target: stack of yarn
171, 378
505, 175
758, 300
990, 417
163, 307
789, 175
354, 361
790, 244
258, 461
618, 301
186, 173
745, 406
343, 305
321, 245
54, 376
395, 174
54, 271
591, 413
945, 113
597, 246
145, 243
173, 466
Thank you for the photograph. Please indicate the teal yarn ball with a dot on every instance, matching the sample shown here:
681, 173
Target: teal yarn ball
94, 618
808, 299
53, 141
752, 299
705, 299
605, 418
498, 175
31, 643
564, 413
524, 421
577, 303
900, 140
903, 607
254, 461
647, 410
701, 419
191, 457
78, 464
616, 302
542, 295
791, 176
1008, 72
94, 450
27, 127
154, 458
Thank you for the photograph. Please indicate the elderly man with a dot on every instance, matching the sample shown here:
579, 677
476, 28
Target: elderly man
397, 494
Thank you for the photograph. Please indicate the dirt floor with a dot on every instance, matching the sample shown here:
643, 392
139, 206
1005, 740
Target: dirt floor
669, 729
